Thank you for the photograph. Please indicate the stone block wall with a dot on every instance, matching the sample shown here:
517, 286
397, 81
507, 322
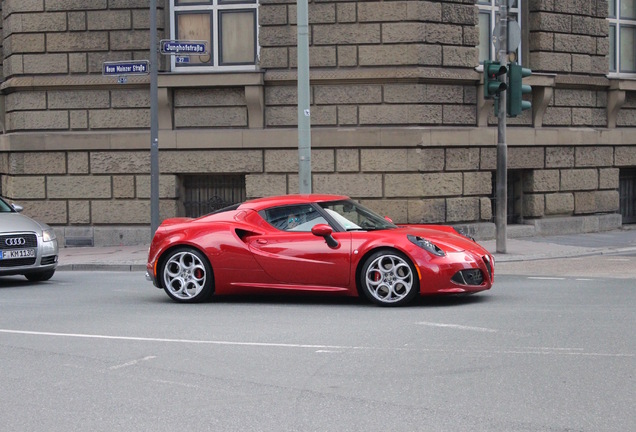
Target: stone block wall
71, 37
210, 108
569, 36
352, 37
77, 110
375, 104
371, 34
62, 46
573, 181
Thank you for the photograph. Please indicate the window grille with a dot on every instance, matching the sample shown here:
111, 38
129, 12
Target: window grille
204, 194
627, 192
514, 199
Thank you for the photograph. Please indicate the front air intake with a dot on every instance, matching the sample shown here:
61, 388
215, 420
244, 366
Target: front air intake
468, 277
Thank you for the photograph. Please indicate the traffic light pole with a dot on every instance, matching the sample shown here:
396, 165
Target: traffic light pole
154, 123
501, 218
304, 123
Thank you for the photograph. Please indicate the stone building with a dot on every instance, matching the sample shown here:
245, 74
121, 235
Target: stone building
398, 116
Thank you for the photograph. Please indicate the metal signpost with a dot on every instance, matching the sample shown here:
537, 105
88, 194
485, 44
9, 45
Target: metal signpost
304, 124
154, 123
501, 218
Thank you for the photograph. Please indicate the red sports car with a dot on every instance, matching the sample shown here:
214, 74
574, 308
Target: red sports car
313, 243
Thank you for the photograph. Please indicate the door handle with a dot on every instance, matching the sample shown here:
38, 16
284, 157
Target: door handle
261, 241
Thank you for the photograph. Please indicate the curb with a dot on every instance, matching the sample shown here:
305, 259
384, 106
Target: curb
102, 267
502, 258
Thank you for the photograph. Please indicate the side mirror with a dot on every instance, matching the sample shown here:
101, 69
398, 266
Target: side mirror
388, 219
325, 231
17, 207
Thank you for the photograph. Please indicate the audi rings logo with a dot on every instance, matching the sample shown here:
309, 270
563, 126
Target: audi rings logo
15, 241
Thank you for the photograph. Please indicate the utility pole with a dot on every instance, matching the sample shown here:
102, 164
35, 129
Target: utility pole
501, 218
304, 124
154, 123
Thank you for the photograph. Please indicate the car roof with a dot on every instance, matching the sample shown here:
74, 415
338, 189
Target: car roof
263, 203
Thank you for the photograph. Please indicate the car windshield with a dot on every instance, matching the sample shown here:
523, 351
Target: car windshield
353, 216
5, 207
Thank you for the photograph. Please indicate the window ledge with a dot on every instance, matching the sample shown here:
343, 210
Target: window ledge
217, 79
627, 83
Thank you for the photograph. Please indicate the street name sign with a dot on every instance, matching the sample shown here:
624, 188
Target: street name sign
119, 68
183, 47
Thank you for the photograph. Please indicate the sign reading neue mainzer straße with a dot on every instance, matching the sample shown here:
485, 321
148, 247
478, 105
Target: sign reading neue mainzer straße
132, 67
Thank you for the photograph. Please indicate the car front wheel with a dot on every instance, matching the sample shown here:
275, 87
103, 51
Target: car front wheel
389, 278
187, 276
40, 276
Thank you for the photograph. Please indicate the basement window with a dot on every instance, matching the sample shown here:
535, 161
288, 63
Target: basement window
203, 194
627, 192
515, 197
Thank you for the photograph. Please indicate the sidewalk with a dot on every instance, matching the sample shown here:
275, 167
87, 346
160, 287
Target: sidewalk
133, 258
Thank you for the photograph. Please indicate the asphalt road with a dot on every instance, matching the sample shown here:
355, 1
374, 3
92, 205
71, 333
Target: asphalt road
105, 351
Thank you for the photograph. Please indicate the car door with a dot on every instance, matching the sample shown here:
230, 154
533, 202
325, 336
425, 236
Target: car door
297, 257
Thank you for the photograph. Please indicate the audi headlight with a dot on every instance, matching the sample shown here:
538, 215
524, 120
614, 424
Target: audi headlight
426, 245
48, 235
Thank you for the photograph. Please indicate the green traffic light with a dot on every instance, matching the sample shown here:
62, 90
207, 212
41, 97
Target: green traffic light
492, 85
516, 90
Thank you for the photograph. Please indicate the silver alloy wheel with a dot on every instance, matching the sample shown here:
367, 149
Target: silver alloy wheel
184, 275
389, 278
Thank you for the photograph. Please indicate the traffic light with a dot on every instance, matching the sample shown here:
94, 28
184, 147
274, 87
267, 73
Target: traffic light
492, 85
516, 90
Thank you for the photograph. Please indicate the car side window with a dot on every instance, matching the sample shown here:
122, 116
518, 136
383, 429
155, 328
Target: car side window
296, 218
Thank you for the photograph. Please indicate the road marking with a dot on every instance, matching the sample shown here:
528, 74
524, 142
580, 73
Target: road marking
521, 351
545, 278
188, 341
583, 279
618, 259
458, 327
131, 363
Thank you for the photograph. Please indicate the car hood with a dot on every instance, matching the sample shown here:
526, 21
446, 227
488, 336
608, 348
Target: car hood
15, 222
449, 241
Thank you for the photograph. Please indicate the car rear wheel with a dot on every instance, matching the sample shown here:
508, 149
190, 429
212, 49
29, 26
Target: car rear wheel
40, 276
187, 276
389, 278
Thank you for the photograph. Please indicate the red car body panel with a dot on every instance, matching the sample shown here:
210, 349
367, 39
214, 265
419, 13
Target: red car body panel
248, 255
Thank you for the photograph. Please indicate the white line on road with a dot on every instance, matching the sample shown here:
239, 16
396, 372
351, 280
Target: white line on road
545, 278
458, 327
189, 341
131, 363
522, 351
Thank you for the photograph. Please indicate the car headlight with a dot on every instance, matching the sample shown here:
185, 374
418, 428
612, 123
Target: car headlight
426, 245
462, 232
48, 235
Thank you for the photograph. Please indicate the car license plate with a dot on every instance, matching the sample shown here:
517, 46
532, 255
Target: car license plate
18, 253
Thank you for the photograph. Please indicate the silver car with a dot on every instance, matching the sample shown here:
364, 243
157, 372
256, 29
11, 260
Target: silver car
27, 247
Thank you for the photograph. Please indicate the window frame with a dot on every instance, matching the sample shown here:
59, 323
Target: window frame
491, 7
616, 22
214, 8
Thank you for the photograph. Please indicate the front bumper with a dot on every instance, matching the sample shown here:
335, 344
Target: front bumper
458, 273
46, 257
